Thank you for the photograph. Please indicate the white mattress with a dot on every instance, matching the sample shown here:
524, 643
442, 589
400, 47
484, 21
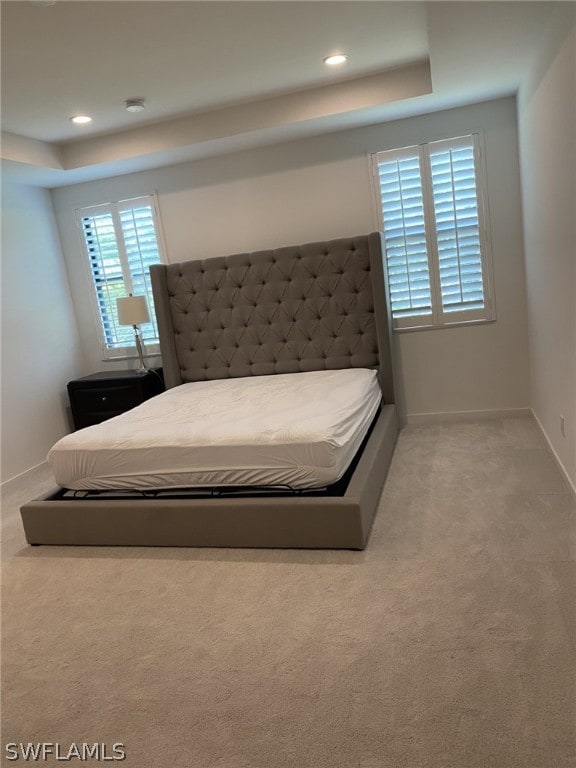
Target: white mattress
299, 430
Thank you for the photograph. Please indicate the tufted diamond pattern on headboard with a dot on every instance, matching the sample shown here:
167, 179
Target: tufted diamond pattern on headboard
299, 308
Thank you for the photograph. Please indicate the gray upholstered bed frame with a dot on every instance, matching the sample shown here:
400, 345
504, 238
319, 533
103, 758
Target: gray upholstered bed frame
302, 308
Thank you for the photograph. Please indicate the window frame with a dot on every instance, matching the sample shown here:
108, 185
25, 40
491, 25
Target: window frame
438, 317
127, 352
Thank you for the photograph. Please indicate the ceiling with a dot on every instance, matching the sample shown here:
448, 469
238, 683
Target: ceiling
222, 75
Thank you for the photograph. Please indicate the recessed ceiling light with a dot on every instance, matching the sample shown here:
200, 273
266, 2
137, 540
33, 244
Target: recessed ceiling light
335, 59
81, 119
134, 105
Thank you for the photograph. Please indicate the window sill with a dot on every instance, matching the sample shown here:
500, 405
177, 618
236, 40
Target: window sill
444, 326
127, 353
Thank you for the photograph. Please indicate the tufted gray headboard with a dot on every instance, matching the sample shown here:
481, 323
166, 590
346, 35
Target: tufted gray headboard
299, 308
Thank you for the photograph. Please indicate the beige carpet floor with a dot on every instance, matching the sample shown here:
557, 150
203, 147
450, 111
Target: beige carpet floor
448, 643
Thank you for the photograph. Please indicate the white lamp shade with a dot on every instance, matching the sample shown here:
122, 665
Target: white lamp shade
132, 310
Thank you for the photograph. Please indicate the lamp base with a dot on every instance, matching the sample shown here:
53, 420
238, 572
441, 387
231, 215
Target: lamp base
140, 348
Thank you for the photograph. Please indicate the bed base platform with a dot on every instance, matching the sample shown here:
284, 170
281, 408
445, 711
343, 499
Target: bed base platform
312, 522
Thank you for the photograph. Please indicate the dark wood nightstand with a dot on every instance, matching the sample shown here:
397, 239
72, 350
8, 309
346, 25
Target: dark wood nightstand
102, 395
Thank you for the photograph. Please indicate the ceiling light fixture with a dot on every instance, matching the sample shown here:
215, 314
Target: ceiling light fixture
81, 119
335, 59
134, 105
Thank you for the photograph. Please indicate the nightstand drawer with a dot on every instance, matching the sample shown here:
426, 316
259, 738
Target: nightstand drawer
103, 395
119, 398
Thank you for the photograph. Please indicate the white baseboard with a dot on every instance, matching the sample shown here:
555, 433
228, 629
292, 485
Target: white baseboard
453, 416
555, 456
6, 485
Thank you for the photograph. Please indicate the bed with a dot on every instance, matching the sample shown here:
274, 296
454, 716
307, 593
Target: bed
289, 323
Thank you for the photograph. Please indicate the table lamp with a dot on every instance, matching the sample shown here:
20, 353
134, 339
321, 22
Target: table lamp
133, 310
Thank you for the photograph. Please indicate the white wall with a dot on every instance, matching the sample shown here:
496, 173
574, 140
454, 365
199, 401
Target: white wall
547, 130
320, 188
40, 345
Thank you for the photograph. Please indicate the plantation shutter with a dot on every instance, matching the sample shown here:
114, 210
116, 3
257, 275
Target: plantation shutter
400, 181
122, 243
434, 233
107, 275
456, 215
141, 246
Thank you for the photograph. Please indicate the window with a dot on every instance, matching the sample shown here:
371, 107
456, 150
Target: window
121, 240
435, 233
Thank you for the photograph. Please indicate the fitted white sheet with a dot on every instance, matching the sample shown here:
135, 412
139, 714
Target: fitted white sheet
299, 430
